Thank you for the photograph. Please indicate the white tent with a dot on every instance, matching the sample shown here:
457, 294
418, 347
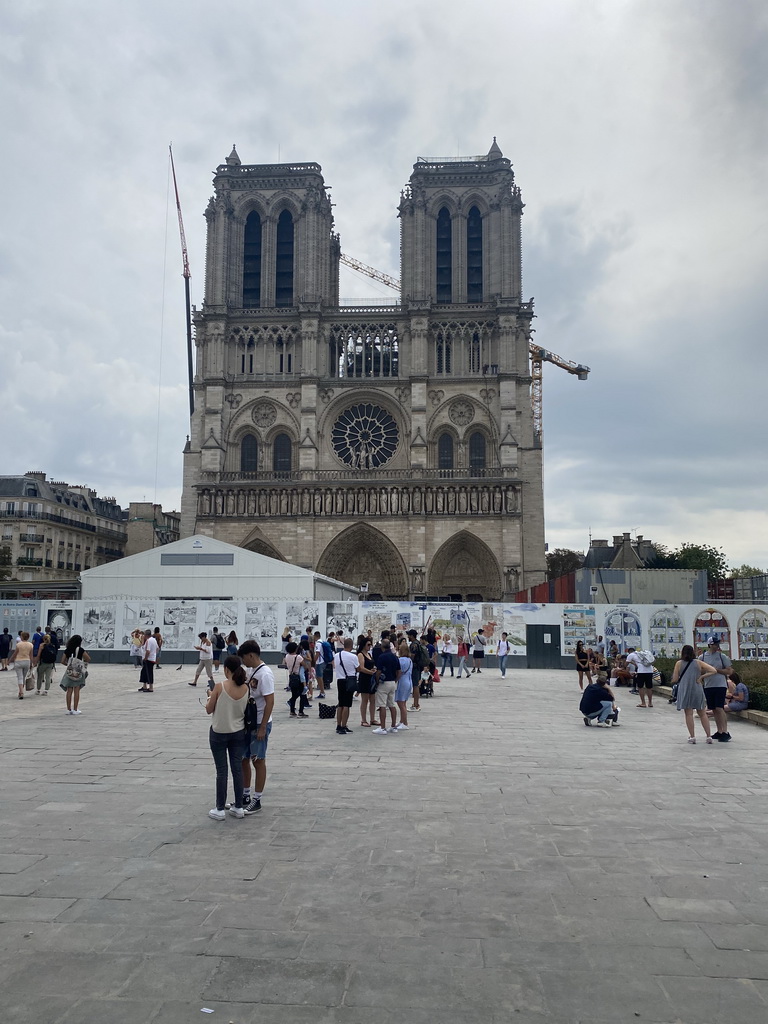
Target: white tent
203, 568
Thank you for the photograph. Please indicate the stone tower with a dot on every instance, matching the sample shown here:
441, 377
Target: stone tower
387, 445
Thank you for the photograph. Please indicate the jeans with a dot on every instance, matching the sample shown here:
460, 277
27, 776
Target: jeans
447, 660
503, 664
232, 744
297, 691
462, 664
605, 712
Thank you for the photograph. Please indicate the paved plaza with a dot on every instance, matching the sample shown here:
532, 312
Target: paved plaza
499, 862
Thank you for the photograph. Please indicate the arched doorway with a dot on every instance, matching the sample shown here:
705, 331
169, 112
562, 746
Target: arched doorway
363, 555
465, 565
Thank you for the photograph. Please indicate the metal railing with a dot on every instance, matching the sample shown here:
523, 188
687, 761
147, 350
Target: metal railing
369, 475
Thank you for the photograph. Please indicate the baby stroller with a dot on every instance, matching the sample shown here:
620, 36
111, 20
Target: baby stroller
426, 681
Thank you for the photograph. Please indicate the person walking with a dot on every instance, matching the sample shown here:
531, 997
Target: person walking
226, 705
262, 692
346, 664
716, 687
404, 687
463, 652
75, 659
689, 673
447, 651
389, 673
582, 664
218, 644
366, 682
147, 677
5, 649
205, 662
232, 643
479, 642
294, 661
21, 659
502, 653
46, 659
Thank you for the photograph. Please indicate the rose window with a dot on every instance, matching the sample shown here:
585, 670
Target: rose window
365, 437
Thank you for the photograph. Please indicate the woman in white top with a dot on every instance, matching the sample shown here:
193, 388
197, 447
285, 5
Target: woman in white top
447, 651
206, 659
226, 703
502, 653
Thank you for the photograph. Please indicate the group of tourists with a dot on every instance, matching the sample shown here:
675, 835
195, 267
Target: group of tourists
706, 684
33, 659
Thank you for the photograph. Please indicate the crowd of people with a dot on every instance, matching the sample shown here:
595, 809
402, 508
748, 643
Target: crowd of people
706, 684
33, 660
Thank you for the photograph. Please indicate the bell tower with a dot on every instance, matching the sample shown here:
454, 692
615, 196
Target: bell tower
390, 443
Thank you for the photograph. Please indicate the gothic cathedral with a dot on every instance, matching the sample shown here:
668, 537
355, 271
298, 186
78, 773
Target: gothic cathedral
389, 445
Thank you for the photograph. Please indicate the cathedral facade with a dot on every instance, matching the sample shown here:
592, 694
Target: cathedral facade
391, 446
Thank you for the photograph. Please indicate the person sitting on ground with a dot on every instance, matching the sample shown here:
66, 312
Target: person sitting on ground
620, 674
738, 694
598, 702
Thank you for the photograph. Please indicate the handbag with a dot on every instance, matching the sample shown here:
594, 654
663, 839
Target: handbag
29, 680
327, 710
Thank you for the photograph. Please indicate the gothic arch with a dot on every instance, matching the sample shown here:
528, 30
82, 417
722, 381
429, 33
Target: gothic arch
361, 554
478, 199
256, 541
443, 199
465, 565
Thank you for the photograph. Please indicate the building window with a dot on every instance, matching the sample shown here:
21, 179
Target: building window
474, 256
249, 454
445, 452
284, 261
443, 354
444, 260
281, 454
252, 261
476, 453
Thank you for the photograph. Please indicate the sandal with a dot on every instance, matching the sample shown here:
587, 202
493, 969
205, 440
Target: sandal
641, 705
364, 725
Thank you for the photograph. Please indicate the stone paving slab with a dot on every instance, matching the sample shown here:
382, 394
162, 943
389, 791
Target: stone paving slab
497, 862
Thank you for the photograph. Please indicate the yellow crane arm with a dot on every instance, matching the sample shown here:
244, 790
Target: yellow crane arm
376, 275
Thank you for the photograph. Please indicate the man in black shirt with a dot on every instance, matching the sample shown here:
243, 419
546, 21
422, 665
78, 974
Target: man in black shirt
388, 665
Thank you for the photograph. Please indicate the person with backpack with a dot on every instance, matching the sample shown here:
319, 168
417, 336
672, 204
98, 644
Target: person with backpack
262, 695
463, 653
226, 705
218, 643
643, 662
75, 660
46, 659
420, 659
328, 654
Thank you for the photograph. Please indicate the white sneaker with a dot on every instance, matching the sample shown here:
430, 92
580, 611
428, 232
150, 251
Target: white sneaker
691, 739
217, 815
380, 731
237, 812
393, 728
401, 727
77, 712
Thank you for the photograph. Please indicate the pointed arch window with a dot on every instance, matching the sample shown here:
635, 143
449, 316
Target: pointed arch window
252, 261
444, 261
249, 454
445, 452
284, 260
477, 453
443, 353
281, 454
474, 256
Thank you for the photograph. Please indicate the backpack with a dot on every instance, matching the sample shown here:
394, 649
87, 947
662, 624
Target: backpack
419, 655
219, 642
646, 658
75, 669
327, 651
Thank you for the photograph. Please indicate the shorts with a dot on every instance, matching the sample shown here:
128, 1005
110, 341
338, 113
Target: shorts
345, 691
385, 694
478, 655
715, 696
644, 680
254, 748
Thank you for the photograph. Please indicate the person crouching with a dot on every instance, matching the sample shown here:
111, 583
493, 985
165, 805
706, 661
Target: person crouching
598, 702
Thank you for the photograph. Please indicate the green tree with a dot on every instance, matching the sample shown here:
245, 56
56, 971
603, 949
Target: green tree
702, 556
746, 570
561, 561
5, 562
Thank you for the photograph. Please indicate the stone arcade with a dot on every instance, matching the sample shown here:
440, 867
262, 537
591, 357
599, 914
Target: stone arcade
387, 445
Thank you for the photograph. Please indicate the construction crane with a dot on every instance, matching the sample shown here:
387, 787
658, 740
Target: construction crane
186, 275
538, 354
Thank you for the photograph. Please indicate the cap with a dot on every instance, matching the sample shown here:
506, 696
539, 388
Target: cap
411, 632
712, 640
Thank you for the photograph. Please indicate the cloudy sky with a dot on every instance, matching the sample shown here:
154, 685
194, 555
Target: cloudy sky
637, 133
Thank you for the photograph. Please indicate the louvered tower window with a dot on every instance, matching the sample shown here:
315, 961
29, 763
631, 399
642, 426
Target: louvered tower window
444, 257
252, 261
474, 256
284, 261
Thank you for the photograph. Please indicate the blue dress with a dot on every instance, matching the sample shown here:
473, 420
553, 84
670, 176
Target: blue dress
405, 682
